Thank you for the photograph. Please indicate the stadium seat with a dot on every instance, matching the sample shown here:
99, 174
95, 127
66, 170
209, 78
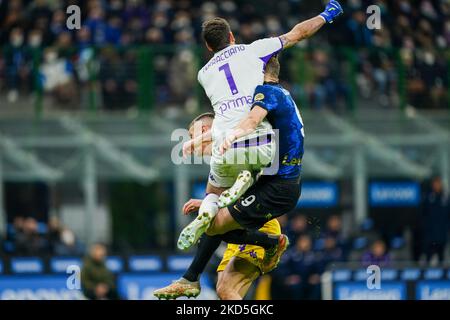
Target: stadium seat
399, 250
115, 264
319, 244
410, 274
60, 264
342, 275
8, 246
433, 274
397, 243
367, 225
21, 265
10, 230
178, 262
42, 228
360, 243
145, 263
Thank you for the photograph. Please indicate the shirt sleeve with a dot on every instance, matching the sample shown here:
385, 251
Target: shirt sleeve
199, 77
264, 98
266, 48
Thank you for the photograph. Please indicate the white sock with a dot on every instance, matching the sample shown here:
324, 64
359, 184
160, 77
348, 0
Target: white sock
209, 205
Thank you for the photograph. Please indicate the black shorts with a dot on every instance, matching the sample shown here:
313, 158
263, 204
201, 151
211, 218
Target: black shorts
269, 198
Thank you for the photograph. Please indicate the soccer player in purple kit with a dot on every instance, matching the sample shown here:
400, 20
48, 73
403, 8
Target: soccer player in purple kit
241, 70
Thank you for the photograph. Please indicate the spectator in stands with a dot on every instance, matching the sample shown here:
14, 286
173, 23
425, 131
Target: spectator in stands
118, 75
435, 220
57, 78
18, 224
97, 281
62, 240
360, 35
182, 68
68, 243
333, 229
35, 39
423, 27
96, 24
17, 64
377, 255
53, 232
28, 240
432, 71
330, 253
303, 273
326, 89
297, 227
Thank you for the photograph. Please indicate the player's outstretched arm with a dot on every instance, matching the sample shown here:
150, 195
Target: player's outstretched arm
245, 127
307, 28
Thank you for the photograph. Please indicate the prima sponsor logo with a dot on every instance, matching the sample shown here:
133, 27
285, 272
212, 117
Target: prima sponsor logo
240, 102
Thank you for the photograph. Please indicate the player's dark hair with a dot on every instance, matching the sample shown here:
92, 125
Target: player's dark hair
216, 33
273, 67
200, 117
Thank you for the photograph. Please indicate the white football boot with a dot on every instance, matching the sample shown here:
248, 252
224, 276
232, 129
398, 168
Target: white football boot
240, 186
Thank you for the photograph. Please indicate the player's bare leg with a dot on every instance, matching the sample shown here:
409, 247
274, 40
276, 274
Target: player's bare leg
222, 223
234, 282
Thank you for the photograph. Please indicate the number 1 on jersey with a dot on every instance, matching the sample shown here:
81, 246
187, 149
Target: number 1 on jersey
231, 83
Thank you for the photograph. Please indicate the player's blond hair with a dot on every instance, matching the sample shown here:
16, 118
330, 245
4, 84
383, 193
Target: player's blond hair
273, 67
200, 117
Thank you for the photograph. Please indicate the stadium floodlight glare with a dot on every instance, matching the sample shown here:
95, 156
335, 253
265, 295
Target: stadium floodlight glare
28, 161
320, 168
109, 152
378, 149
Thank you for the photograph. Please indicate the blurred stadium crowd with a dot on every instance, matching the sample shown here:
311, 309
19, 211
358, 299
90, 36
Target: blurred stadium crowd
403, 60
28, 237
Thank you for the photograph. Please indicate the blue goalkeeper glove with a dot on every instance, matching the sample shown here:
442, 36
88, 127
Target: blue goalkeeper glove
332, 11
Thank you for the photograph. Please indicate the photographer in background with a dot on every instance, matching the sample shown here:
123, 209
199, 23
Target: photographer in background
97, 281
